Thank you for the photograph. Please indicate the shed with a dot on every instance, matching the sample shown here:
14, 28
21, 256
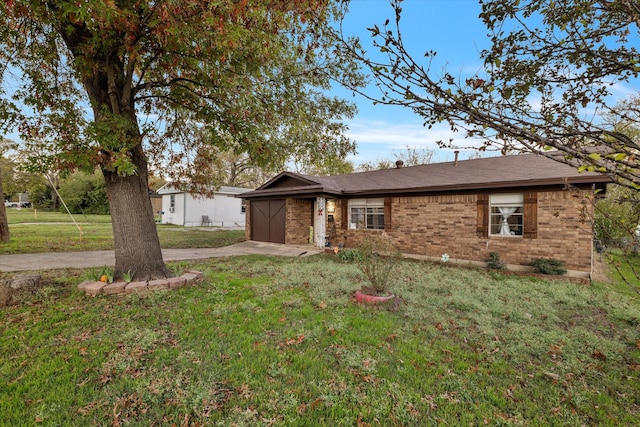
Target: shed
223, 209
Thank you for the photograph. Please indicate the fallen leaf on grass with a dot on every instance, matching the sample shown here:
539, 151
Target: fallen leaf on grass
430, 400
244, 391
555, 349
553, 376
294, 341
391, 337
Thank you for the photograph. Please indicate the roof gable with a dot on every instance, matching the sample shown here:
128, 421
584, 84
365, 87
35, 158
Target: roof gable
286, 180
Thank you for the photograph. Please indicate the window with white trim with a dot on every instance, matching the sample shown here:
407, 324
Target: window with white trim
506, 218
366, 214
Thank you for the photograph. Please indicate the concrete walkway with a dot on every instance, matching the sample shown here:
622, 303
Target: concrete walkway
50, 260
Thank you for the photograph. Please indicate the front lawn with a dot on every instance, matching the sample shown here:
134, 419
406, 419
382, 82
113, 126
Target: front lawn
278, 341
35, 231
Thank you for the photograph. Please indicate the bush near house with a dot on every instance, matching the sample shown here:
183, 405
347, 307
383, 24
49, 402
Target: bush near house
548, 266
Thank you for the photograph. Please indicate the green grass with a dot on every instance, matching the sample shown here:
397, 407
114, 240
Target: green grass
30, 215
624, 269
278, 341
33, 232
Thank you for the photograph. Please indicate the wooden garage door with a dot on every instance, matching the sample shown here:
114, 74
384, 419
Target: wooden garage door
267, 220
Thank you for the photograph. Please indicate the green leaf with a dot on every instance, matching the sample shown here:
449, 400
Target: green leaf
595, 156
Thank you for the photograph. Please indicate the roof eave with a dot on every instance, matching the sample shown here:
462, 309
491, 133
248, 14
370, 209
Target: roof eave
307, 190
485, 186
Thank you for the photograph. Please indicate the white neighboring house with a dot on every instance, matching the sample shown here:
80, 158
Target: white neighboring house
224, 209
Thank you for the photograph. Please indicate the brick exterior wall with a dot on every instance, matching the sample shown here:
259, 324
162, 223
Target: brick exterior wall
247, 219
298, 221
438, 224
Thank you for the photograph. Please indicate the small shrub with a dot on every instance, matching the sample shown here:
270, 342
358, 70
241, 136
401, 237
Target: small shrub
127, 276
93, 274
494, 261
348, 255
177, 268
377, 260
108, 274
102, 274
548, 266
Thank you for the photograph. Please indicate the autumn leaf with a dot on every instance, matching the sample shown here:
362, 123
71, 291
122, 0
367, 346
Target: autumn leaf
553, 376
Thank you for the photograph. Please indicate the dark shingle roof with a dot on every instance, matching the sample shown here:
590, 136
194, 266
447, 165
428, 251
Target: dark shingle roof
485, 173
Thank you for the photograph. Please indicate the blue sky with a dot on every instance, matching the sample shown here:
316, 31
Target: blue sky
451, 28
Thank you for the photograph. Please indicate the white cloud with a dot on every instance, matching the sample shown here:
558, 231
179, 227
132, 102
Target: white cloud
379, 139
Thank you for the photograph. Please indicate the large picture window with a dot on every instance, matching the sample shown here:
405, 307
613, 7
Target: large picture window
506, 218
366, 214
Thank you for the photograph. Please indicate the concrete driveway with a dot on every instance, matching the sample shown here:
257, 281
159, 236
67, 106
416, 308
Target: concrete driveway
47, 261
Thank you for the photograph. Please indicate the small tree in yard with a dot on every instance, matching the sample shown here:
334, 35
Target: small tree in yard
5, 145
377, 260
84, 193
167, 82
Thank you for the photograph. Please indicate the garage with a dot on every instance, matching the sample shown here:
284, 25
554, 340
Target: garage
268, 220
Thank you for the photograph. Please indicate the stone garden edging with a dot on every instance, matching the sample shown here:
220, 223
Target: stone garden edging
93, 288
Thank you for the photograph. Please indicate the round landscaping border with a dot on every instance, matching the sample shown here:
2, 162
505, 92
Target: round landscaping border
363, 298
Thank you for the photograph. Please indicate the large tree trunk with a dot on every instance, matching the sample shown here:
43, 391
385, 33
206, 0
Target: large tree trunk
137, 246
108, 82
